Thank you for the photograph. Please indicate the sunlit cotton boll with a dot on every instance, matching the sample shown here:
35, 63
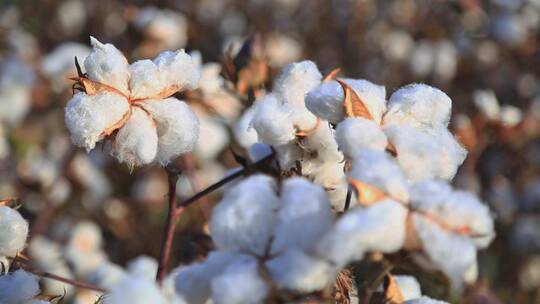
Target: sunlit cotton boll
295, 80
244, 219
356, 134
136, 291
106, 64
18, 287
273, 121
13, 232
326, 100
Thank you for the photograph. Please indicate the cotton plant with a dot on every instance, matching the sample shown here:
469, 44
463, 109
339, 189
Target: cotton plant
413, 124
20, 287
132, 105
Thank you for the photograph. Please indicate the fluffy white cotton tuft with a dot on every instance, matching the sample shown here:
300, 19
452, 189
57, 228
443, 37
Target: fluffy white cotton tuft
107, 65
88, 116
304, 216
326, 100
244, 134
135, 291
13, 232
377, 168
107, 275
18, 287
419, 106
239, 283
331, 177
244, 219
295, 80
143, 267
145, 80
295, 270
177, 127
356, 134
380, 227
273, 121
137, 141
178, 69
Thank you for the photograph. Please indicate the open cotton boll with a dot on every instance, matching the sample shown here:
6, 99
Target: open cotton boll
88, 116
376, 168
326, 100
425, 300
216, 138
178, 69
239, 283
245, 217
295, 270
419, 106
244, 134
143, 267
145, 79
321, 144
136, 291
408, 286
165, 26
380, 227
13, 232
107, 65
137, 141
356, 134
304, 216
18, 287
331, 177
177, 127
273, 121
295, 80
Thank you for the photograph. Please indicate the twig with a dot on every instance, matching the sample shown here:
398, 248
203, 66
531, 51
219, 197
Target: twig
348, 198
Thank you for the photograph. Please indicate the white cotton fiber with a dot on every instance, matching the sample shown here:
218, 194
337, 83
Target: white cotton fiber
244, 219
273, 121
322, 144
295, 270
380, 227
304, 217
87, 117
331, 177
239, 283
215, 138
107, 65
177, 127
326, 100
18, 287
135, 291
419, 106
107, 275
426, 155
378, 169
408, 286
295, 80
143, 267
145, 80
356, 134
178, 69
136, 143
13, 232
244, 134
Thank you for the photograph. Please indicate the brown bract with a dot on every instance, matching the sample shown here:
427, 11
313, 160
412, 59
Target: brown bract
352, 103
392, 292
366, 193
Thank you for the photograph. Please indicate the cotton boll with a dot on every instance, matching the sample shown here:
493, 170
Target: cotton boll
145, 80
422, 58
136, 291
88, 116
425, 300
18, 287
446, 59
107, 275
239, 283
282, 49
332, 178
177, 127
304, 217
510, 116
211, 81
107, 65
409, 287
356, 134
13, 232
326, 100
376, 168
288, 155
322, 144
273, 121
419, 106
244, 219
143, 267
259, 151
397, 45
84, 263
510, 29
16, 81
178, 69
486, 101
137, 141
295, 270
295, 80
216, 138
244, 134
166, 26
83, 250
86, 236
380, 227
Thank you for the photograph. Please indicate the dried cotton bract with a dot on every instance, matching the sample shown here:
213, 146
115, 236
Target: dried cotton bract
133, 103
13, 232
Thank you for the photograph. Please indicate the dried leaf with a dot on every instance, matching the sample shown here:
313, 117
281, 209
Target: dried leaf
352, 103
93, 87
392, 292
332, 75
367, 194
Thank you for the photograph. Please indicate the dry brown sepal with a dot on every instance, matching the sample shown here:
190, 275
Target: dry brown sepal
332, 75
11, 202
366, 193
392, 292
252, 76
352, 103
308, 132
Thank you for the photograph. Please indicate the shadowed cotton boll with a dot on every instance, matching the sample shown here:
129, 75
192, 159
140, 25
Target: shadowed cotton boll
216, 138
295, 270
272, 121
137, 141
143, 267
326, 100
380, 227
304, 216
18, 287
509, 29
107, 275
13, 232
332, 178
239, 283
244, 134
244, 219
356, 134
282, 49
136, 291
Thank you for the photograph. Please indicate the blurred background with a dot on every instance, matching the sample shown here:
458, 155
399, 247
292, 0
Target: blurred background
483, 54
